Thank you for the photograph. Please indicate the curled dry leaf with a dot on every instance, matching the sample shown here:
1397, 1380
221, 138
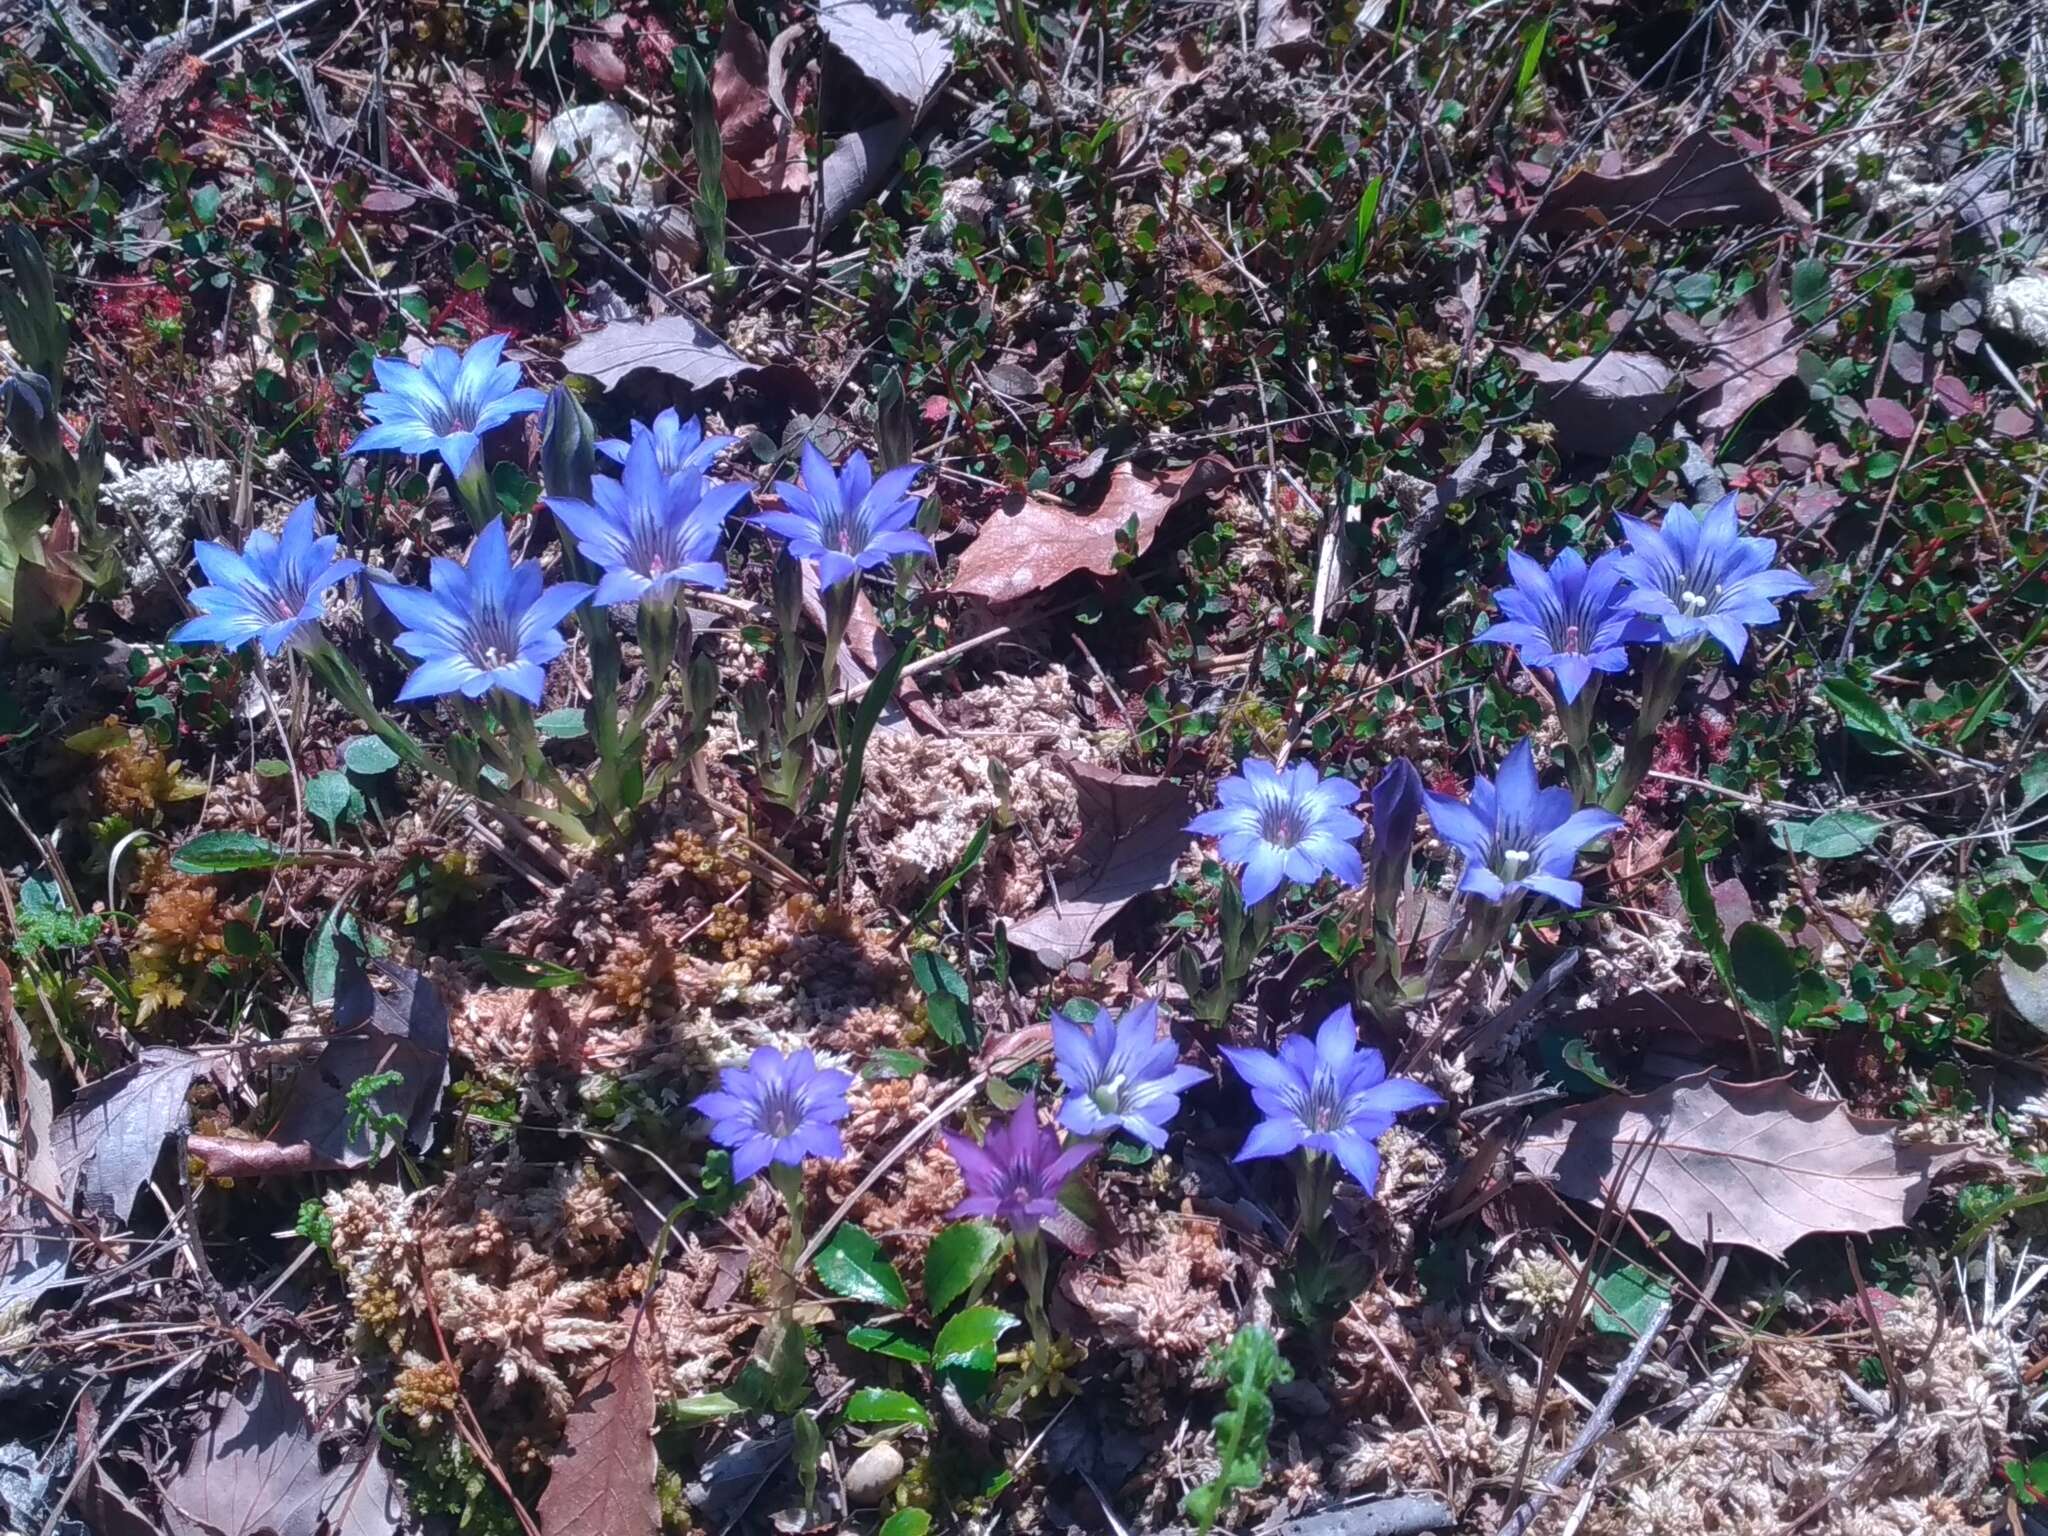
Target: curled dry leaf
1600, 404
602, 1484
763, 155
682, 349
906, 60
1749, 354
1286, 30
1132, 832
1759, 1165
1033, 541
1700, 183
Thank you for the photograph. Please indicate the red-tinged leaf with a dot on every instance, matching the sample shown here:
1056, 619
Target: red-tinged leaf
1749, 354
107, 1142
1890, 418
764, 156
602, 1484
1757, 1165
597, 58
1034, 542
1132, 832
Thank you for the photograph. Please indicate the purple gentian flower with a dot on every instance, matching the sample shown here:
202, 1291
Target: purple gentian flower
678, 445
1119, 1074
1573, 618
1328, 1096
273, 592
1284, 824
849, 521
446, 404
1698, 575
1396, 802
650, 532
1516, 835
486, 624
776, 1109
1016, 1174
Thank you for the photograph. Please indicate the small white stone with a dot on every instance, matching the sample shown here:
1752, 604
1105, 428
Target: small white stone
874, 1472
2020, 308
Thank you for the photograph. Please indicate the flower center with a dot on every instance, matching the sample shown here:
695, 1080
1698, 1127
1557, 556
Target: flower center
1570, 647
1322, 1111
493, 640
782, 1113
1108, 1095
1281, 823
1513, 861
1694, 603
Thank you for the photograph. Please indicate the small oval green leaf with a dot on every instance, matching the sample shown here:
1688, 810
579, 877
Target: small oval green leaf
223, 853
957, 1257
851, 1265
881, 1405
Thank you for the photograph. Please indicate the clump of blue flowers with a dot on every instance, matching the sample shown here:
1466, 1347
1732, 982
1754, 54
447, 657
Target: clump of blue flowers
1700, 575
1328, 1099
1119, 1074
679, 445
777, 1110
848, 521
444, 406
273, 591
1517, 836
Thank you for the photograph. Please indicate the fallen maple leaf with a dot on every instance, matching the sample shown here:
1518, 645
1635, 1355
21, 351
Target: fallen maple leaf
1700, 183
1758, 1165
1034, 541
108, 1141
1600, 404
1133, 830
1749, 354
602, 1484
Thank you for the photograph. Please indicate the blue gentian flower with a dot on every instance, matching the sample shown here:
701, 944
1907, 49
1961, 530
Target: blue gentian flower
486, 624
1573, 618
1396, 802
1015, 1176
1329, 1096
776, 1109
850, 521
273, 592
1517, 836
678, 444
650, 532
1119, 1074
446, 404
1699, 575
1284, 824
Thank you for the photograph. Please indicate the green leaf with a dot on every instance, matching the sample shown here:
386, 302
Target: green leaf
206, 203
1810, 289
880, 1405
906, 1522
705, 1408
956, 1259
1249, 1367
223, 853
562, 724
1578, 1055
332, 799
272, 768
97, 739
1704, 916
891, 1064
1632, 1296
510, 970
322, 958
887, 1341
946, 997
1862, 712
1766, 977
777, 1375
880, 692
1837, 835
368, 756
962, 868
965, 1349
851, 1265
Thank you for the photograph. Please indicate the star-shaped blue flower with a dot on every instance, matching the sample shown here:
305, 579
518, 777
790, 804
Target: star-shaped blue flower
274, 592
1329, 1096
1284, 824
486, 624
1573, 618
446, 404
776, 1109
678, 444
1699, 575
847, 521
650, 532
1516, 835
1119, 1075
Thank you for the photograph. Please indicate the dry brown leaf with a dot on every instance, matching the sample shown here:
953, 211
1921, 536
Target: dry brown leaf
1600, 404
107, 1142
763, 156
674, 344
1759, 1165
1034, 542
1750, 353
1286, 30
1700, 183
907, 62
602, 1484
1133, 830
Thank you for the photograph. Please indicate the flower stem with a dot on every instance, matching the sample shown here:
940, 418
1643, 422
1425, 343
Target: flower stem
1663, 676
1582, 771
788, 1179
473, 490
1315, 1187
1032, 1267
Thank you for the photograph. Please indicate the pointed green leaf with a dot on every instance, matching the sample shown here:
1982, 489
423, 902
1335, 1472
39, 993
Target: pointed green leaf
956, 1259
851, 1265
